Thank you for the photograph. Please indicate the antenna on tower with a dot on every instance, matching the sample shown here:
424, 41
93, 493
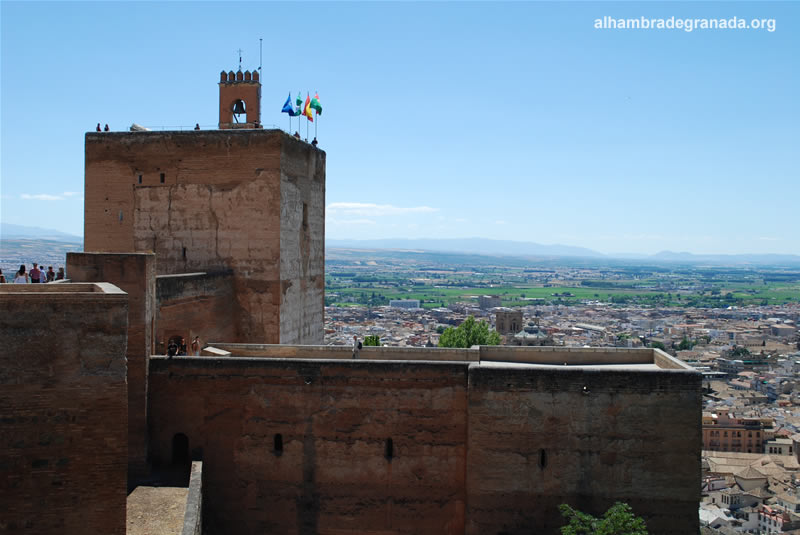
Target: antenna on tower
259, 57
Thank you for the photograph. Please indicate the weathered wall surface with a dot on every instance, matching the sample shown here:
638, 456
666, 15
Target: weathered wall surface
302, 244
478, 447
63, 400
195, 304
134, 273
546, 436
333, 474
193, 517
215, 200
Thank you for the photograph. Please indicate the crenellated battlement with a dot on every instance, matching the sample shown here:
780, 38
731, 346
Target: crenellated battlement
238, 76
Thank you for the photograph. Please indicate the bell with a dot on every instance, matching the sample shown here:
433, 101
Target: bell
238, 107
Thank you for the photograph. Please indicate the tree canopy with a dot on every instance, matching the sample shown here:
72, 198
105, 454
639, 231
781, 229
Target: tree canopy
468, 334
739, 351
373, 340
618, 520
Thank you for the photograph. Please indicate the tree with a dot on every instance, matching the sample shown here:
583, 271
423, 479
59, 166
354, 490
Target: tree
372, 340
618, 520
739, 351
685, 344
468, 334
658, 345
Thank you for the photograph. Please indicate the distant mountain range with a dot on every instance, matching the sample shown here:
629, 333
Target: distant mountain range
479, 246
470, 245
21, 232
761, 259
516, 248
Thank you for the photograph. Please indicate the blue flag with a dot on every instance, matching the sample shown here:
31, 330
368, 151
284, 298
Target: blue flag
287, 107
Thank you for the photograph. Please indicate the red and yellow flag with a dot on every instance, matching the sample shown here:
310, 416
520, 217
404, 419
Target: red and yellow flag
307, 109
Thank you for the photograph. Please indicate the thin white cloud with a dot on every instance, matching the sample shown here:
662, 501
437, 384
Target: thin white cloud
350, 221
41, 197
499, 222
375, 210
70, 193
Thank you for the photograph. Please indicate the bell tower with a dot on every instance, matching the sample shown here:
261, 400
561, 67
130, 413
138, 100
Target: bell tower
239, 100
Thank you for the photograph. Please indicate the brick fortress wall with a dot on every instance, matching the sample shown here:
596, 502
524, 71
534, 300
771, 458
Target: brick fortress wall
333, 470
483, 447
64, 406
587, 437
134, 273
252, 201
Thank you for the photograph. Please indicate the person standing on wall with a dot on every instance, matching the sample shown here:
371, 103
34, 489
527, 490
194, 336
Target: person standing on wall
196, 346
356, 346
35, 274
172, 348
21, 277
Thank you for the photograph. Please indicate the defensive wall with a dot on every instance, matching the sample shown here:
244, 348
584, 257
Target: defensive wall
63, 408
133, 273
193, 515
308, 439
249, 201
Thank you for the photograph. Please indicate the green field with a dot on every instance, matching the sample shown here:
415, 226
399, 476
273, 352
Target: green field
376, 281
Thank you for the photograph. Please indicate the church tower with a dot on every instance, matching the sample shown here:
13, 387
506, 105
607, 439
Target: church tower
239, 100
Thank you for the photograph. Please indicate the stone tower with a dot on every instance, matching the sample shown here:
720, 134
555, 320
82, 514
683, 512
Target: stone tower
239, 99
241, 201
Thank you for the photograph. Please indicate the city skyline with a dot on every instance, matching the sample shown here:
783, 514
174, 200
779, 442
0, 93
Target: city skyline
504, 121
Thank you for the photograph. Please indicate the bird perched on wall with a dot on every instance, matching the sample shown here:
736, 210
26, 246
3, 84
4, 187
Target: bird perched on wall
106, 129
98, 127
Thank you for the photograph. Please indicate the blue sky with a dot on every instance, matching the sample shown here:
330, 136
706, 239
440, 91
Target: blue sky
500, 120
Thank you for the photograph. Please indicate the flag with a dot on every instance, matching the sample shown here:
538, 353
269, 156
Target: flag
307, 109
299, 100
287, 107
315, 104
298, 111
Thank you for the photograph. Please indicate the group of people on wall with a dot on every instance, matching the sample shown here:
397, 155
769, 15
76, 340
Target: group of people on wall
35, 276
176, 347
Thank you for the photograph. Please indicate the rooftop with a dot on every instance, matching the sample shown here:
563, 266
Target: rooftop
622, 359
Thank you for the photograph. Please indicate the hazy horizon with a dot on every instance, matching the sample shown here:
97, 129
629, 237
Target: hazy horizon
612, 254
